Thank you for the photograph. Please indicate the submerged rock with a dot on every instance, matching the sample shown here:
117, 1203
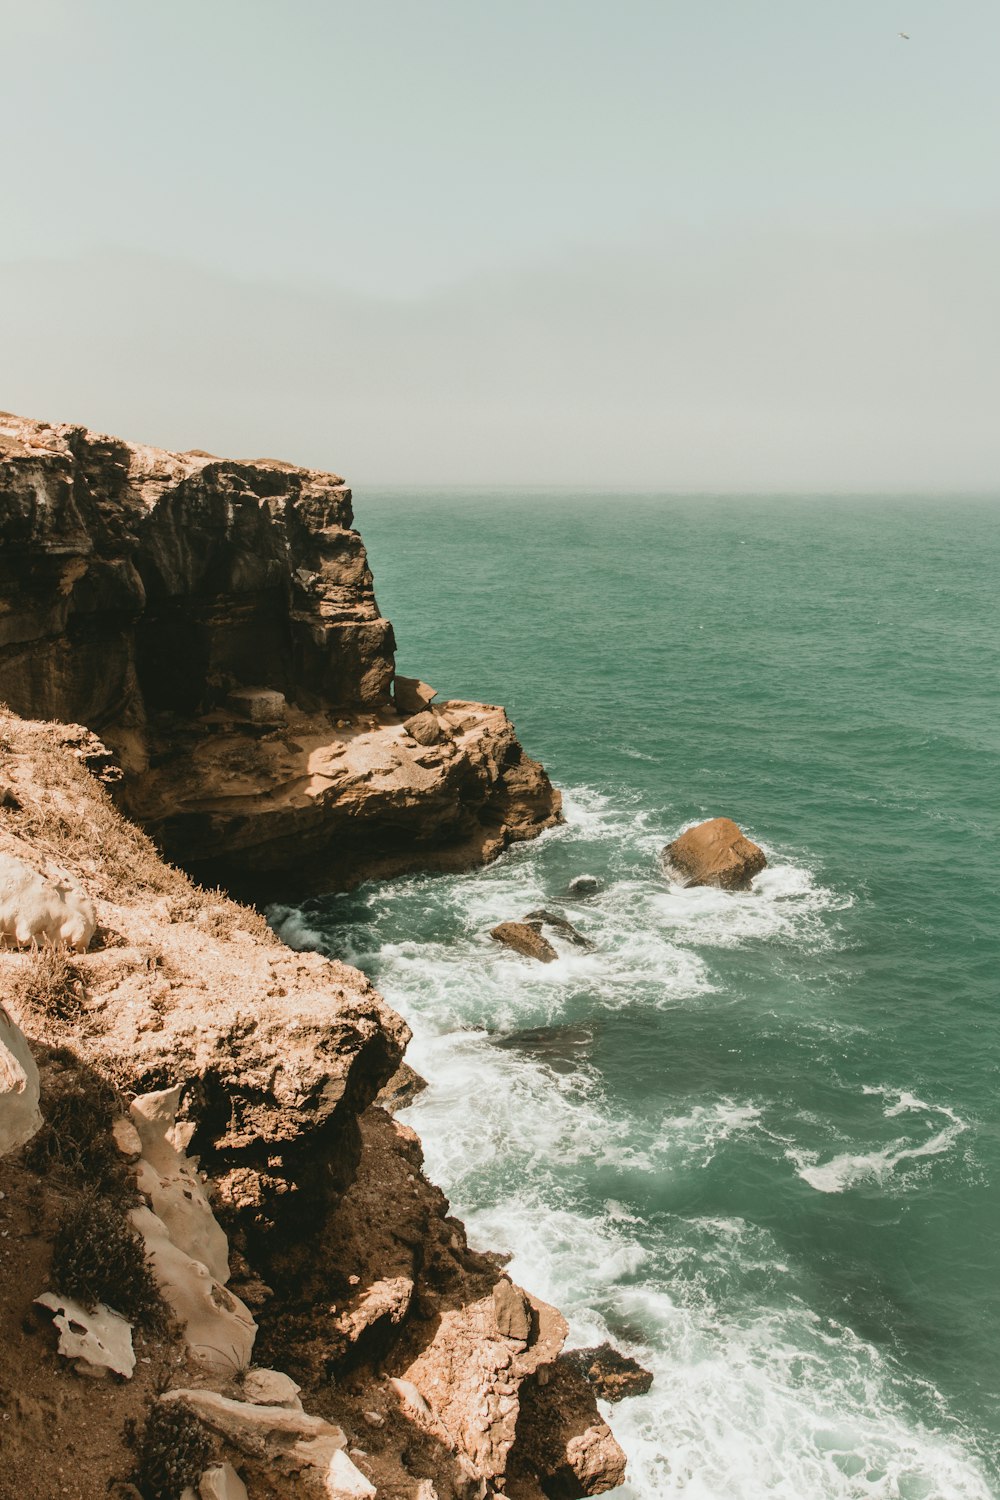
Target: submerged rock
714, 853
584, 885
540, 919
525, 939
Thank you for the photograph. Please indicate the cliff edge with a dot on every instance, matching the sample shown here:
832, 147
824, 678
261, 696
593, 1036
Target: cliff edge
214, 621
224, 1273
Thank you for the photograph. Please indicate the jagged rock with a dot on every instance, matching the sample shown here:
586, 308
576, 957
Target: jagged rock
563, 1439
540, 919
35, 908
512, 1310
714, 853
612, 1374
218, 1329
403, 1087
468, 1380
425, 728
171, 1183
411, 696
385, 1302
293, 1440
271, 1388
221, 1482
140, 589
20, 1116
524, 939
584, 885
95, 1338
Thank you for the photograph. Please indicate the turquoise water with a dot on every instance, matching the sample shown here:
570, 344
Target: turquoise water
754, 1138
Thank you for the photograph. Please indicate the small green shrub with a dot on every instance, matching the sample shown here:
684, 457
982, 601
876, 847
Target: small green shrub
98, 1257
174, 1451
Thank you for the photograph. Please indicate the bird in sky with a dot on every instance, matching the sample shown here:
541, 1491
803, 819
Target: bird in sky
905, 35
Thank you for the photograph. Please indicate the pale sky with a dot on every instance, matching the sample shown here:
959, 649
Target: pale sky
686, 245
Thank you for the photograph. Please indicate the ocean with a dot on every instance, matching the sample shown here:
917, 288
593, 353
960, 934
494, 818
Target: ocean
754, 1139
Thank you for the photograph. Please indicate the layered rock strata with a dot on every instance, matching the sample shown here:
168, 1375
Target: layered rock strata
415, 1367
215, 622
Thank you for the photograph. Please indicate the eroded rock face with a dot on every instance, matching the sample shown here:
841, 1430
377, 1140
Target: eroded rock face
215, 621
37, 908
20, 1116
714, 853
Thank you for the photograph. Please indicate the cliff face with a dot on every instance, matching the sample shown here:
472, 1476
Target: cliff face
415, 1358
142, 592
215, 622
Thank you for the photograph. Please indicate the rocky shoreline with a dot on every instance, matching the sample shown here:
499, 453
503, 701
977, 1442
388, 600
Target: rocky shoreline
194, 645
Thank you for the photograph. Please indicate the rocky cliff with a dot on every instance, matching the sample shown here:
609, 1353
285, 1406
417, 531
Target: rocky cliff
304, 1318
215, 622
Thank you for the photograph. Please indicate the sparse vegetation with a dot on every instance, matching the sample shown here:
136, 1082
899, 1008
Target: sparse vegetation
173, 1452
98, 1257
78, 1111
49, 985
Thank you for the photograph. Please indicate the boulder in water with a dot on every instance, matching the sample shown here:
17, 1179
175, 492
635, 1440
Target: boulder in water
612, 1374
714, 853
525, 939
540, 919
584, 885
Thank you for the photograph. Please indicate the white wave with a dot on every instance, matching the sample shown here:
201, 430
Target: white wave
851, 1168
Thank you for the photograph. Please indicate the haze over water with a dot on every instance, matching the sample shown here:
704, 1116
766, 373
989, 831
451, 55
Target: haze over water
752, 1138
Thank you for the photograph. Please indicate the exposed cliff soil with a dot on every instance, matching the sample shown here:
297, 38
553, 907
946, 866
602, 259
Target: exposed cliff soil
143, 592
345, 1254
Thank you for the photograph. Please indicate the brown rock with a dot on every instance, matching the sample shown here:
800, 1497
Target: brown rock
540, 919
715, 853
512, 1310
411, 696
524, 938
563, 1439
612, 1374
424, 728
144, 593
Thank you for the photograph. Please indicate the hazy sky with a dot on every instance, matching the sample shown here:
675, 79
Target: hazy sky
692, 244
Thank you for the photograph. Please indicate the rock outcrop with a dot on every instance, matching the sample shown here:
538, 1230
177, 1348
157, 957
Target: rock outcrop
714, 853
397, 1360
526, 939
214, 621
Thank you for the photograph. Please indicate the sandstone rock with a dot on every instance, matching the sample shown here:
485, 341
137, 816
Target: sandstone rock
539, 919
221, 1482
524, 939
259, 705
345, 1481
411, 696
564, 1440
97, 1338
714, 853
171, 1183
403, 1087
612, 1374
512, 1310
20, 1116
271, 1388
39, 909
425, 728
218, 1329
294, 1440
385, 1301
127, 1139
